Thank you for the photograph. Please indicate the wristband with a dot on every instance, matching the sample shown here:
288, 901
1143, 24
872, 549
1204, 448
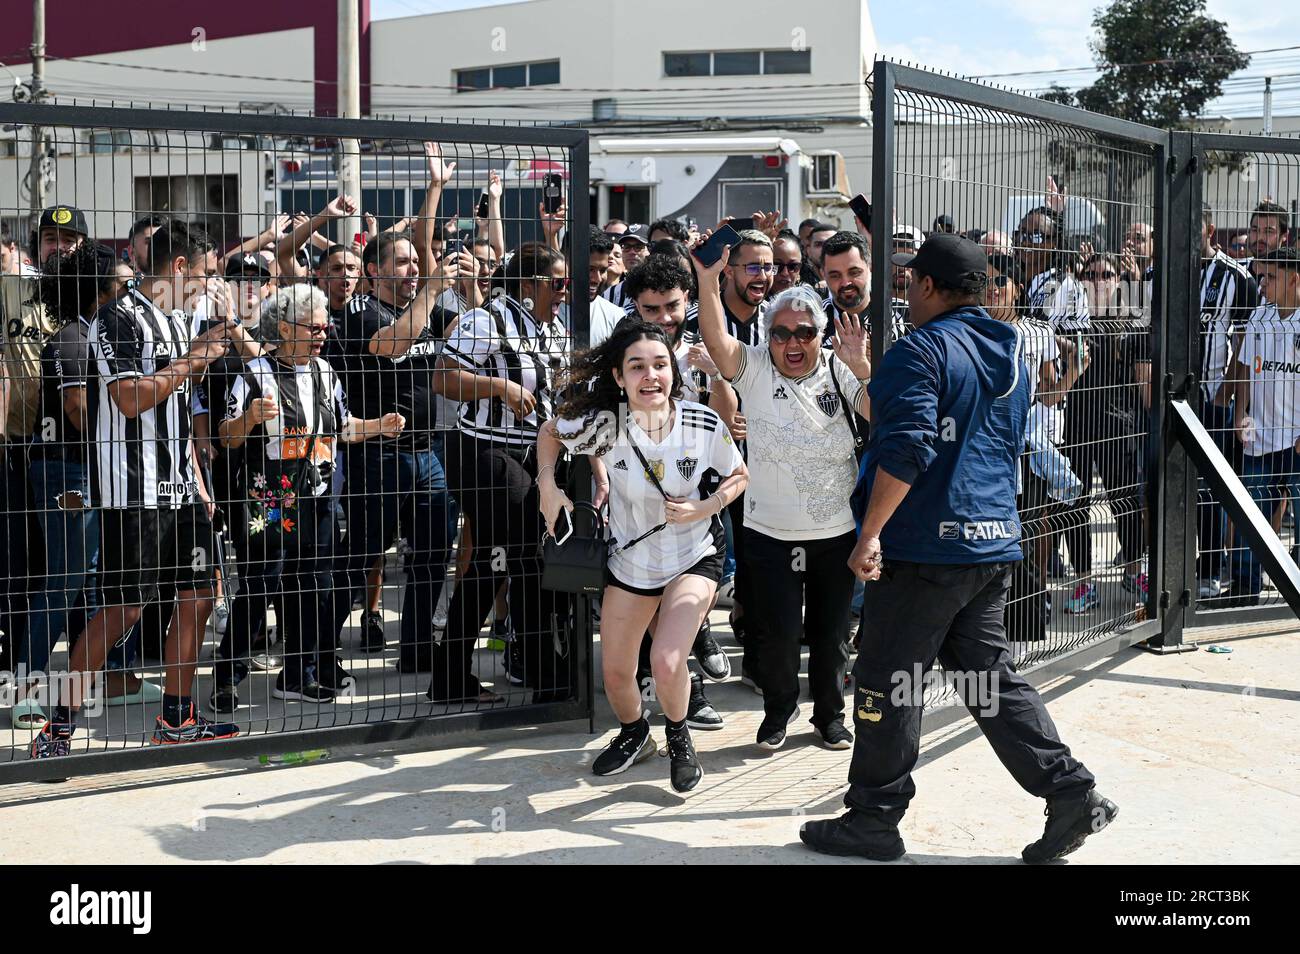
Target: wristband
538, 479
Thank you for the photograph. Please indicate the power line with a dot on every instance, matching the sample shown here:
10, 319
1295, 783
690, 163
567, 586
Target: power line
1123, 66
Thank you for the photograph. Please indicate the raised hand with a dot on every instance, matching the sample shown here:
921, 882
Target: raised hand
340, 206
770, 223
261, 410
440, 172
851, 343
391, 425
552, 222
494, 187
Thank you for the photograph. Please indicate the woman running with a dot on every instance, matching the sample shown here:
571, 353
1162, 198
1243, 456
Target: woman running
662, 454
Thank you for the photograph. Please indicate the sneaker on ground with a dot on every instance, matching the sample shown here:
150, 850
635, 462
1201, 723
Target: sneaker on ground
710, 656
52, 741
194, 729
1069, 822
340, 681
1210, 589
700, 713
224, 699
1135, 583
372, 635
684, 770
772, 732
513, 663
311, 691
268, 658
726, 593
1083, 599
854, 833
835, 736
630, 746
747, 680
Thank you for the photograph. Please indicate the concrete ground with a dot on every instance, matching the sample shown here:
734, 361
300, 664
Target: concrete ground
1198, 749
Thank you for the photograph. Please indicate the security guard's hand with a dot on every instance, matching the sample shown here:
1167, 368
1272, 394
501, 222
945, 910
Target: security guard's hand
865, 559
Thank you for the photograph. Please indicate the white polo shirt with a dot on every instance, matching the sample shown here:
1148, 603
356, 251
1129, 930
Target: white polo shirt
1271, 353
802, 468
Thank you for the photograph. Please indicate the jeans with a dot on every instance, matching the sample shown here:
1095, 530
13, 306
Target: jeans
1267, 479
68, 598
914, 614
386, 487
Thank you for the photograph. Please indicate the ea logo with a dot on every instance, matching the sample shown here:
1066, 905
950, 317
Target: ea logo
62, 216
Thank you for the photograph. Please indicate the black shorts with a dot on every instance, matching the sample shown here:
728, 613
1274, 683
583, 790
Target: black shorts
709, 567
141, 549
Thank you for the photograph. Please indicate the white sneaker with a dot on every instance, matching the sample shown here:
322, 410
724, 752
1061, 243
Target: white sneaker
1209, 589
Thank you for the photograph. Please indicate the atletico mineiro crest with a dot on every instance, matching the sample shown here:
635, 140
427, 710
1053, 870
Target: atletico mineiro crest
686, 467
828, 403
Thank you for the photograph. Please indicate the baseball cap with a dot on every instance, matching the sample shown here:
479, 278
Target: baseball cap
1283, 257
635, 233
943, 222
246, 262
66, 217
945, 257
908, 235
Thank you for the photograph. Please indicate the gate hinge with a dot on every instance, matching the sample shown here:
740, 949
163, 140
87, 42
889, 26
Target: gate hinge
1185, 599
1192, 166
1164, 599
1178, 389
1171, 165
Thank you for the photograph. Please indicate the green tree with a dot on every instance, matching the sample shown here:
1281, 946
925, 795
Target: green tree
1161, 61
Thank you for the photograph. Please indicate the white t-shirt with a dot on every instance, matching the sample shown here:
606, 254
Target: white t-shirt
698, 442
802, 468
1271, 353
604, 315
1039, 347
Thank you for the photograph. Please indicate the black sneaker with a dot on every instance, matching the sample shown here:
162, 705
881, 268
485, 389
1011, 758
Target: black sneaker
311, 691
628, 748
415, 662
338, 680
710, 656
700, 713
771, 734
193, 729
513, 662
224, 699
855, 833
684, 769
372, 635
1069, 822
835, 736
52, 741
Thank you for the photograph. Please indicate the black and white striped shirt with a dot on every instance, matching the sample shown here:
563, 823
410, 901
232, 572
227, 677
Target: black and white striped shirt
144, 461
504, 340
746, 332
1056, 297
617, 293
898, 324
1229, 296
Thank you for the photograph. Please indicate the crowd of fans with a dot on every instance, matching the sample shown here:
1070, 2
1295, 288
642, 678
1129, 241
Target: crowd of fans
195, 432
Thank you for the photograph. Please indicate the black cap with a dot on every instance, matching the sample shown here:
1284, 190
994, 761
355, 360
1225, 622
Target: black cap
1283, 257
943, 222
948, 258
66, 217
246, 262
635, 233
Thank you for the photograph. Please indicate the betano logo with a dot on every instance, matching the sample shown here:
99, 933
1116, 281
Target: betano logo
77, 907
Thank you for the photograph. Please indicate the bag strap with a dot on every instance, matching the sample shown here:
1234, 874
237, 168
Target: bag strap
649, 471
850, 415
309, 461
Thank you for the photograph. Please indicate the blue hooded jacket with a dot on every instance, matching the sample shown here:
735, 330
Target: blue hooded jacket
948, 409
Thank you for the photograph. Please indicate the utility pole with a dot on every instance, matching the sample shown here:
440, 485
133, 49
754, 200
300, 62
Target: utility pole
36, 174
349, 155
1268, 131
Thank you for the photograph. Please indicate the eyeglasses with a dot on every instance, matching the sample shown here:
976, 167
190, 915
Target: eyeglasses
557, 284
1105, 276
1001, 281
316, 331
255, 278
803, 334
1030, 238
792, 267
758, 269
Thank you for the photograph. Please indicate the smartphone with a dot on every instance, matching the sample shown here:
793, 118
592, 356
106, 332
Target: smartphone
862, 209
553, 192
455, 246
711, 251
482, 211
741, 224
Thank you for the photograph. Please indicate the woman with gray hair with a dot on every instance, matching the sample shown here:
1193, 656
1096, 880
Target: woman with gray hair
801, 403
287, 411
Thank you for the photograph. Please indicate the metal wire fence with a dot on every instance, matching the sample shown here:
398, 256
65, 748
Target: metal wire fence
357, 327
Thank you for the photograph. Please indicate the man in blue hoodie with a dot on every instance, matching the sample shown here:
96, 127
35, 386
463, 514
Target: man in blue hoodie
936, 508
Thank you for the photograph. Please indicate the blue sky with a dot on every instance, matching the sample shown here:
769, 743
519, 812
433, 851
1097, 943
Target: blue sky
977, 37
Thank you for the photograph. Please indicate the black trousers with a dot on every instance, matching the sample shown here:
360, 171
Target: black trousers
494, 485
795, 573
1211, 533
1096, 437
914, 614
744, 586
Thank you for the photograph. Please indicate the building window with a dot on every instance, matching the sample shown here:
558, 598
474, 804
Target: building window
508, 77
737, 63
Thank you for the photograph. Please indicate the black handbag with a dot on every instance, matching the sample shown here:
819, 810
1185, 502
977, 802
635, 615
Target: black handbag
573, 562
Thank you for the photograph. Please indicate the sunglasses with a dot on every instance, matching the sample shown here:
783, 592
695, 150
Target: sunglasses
557, 284
1001, 281
316, 331
803, 334
757, 269
792, 267
1098, 276
1030, 238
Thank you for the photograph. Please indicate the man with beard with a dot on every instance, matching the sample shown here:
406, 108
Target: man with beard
1269, 231
604, 313
28, 319
635, 246
846, 264
787, 256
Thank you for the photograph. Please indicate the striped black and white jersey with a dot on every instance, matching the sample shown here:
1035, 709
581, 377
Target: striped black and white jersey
697, 443
1229, 296
1056, 297
313, 410
692, 311
145, 461
898, 324
504, 340
617, 293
